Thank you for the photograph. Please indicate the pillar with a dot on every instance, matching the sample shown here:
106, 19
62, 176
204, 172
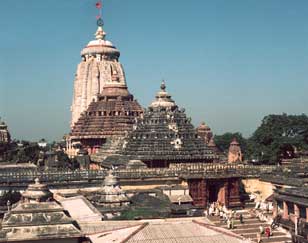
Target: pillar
285, 211
296, 211
198, 191
226, 186
275, 208
234, 199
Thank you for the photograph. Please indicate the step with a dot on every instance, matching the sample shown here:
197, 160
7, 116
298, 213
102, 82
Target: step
254, 235
273, 239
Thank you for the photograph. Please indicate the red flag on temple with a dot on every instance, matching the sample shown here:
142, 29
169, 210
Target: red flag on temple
98, 5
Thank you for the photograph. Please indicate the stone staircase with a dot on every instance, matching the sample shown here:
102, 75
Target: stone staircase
250, 228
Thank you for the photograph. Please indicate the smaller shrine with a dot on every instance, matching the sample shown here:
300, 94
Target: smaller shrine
37, 217
110, 199
5, 136
205, 132
5, 139
235, 152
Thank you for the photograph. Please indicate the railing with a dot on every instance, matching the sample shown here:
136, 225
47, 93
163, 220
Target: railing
182, 171
56, 176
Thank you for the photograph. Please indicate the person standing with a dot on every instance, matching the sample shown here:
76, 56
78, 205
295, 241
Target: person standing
268, 232
258, 238
241, 218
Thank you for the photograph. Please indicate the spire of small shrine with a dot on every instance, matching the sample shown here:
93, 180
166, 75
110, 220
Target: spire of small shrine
162, 98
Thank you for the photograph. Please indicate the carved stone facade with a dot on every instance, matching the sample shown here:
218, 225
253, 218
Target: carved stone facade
235, 152
38, 218
225, 191
99, 65
205, 132
110, 199
165, 135
102, 105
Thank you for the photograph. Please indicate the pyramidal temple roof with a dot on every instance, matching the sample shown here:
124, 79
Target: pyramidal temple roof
165, 135
37, 217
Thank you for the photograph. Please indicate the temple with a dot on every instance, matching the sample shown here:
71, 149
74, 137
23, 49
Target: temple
165, 136
5, 139
110, 199
205, 132
102, 105
37, 217
235, 152
5, 136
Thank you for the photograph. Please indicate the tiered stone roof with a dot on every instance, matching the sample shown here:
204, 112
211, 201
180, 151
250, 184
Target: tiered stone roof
111, 115
37, 217
165, 135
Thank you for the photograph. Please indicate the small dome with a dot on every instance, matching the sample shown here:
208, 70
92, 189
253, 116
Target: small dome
37, 192
163, 99
235, 142
101, 46
203, 126
110, 180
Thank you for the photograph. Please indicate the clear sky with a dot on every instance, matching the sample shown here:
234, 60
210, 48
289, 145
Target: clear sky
228, 63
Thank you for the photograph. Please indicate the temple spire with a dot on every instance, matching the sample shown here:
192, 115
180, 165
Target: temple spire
99, 34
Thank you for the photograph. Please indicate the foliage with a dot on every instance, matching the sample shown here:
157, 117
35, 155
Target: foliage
278, 137
13, 197
144, 206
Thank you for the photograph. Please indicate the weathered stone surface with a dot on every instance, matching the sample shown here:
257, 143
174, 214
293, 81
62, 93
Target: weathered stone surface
98, 66
37, 216
235, 152
102, 105
205, 132
165, 135
4, 133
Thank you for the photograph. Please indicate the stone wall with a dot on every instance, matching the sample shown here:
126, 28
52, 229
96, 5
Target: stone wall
255, 185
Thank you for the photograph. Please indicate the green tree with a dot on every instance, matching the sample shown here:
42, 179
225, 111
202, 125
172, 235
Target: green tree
278, 136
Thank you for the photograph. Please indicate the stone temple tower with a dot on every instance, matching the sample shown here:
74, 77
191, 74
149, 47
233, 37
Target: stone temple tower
99, 66
235, 152
103, 108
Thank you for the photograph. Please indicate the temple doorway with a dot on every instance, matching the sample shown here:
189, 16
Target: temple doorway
216, 192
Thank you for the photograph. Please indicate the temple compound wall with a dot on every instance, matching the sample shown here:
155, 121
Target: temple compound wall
260, 188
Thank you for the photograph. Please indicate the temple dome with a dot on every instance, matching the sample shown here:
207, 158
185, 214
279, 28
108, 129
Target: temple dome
110, 180
37, 192
163, 99
204, 126
101, 46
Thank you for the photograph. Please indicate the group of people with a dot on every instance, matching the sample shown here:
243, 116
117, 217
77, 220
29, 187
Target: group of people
225, 215
260, 211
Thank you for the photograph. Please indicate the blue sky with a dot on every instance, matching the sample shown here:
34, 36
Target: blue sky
228, 63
